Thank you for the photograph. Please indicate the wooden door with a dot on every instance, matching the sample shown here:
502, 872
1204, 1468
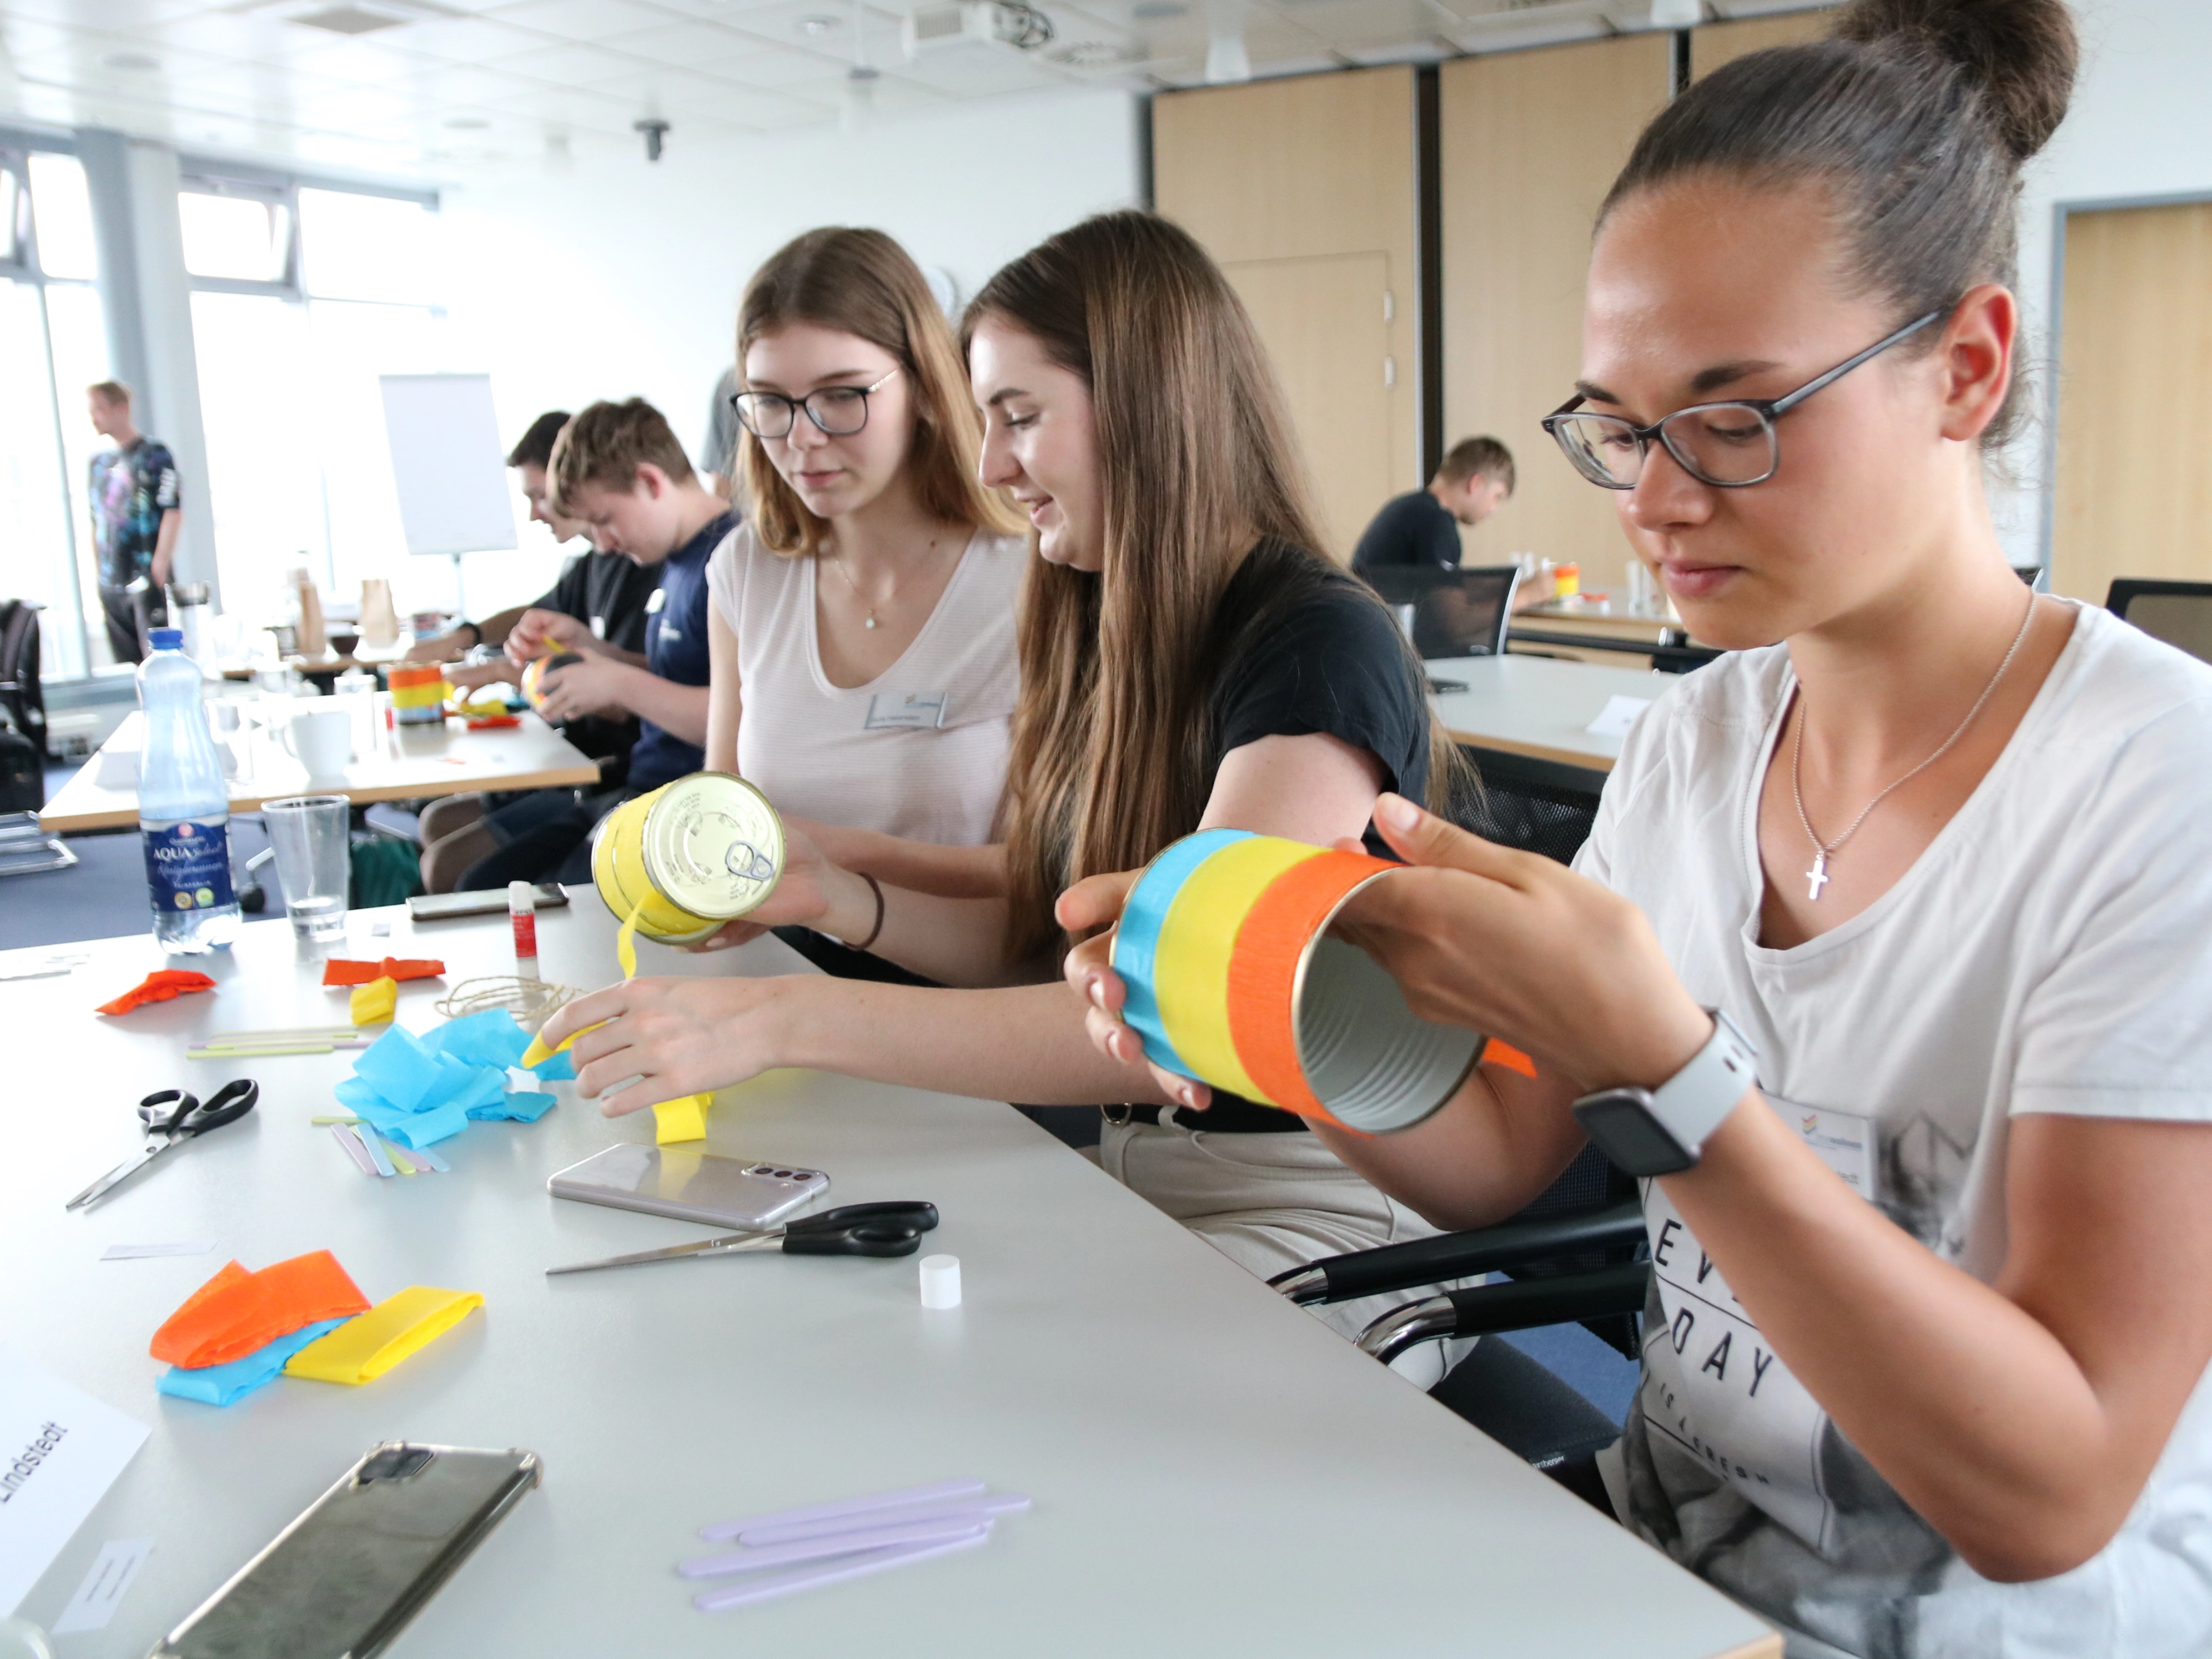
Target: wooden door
1304, 189
1327, 323
1529, 143
2132, 495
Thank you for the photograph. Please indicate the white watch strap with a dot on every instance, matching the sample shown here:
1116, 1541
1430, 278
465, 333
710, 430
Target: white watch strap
1692, 1103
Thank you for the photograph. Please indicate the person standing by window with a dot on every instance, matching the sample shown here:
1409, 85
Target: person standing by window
135, 517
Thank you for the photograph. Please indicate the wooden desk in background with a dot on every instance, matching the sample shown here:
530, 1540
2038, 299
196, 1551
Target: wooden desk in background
1538, 706
407, 763
1586, 633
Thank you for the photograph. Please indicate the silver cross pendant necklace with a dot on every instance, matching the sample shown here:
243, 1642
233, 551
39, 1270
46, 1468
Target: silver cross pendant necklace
1817, 877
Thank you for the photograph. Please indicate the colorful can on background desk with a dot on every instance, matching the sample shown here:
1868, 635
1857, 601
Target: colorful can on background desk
418, 693
1234, 979
688, 856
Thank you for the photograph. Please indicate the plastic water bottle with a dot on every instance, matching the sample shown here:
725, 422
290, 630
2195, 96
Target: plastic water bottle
184, 812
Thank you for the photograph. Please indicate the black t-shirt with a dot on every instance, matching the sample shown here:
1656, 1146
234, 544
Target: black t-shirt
1412, 529
607, 592
1304, 648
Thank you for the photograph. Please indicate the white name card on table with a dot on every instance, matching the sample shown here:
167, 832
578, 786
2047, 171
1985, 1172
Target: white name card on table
60, 1451
1618, 715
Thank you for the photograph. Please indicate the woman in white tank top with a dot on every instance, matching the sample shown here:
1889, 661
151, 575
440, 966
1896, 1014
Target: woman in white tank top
863, 621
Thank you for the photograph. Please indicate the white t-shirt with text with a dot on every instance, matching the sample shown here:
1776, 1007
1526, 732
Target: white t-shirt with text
2050, 952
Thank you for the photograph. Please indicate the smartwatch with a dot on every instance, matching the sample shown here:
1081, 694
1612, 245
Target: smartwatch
1656, 1131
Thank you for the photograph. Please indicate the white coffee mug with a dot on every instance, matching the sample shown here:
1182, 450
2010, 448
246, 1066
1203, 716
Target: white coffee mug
322, 738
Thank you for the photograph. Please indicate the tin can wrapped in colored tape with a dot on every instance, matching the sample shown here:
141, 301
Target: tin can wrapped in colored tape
534, 677
418, 693
688, 856
1234, 978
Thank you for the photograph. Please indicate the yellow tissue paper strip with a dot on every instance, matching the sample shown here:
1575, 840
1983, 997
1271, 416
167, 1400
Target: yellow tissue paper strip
373, 1004
363, 1349
626, 944
680, 1119
625, 953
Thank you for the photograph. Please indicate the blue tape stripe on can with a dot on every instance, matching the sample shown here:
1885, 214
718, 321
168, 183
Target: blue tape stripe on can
1138, 940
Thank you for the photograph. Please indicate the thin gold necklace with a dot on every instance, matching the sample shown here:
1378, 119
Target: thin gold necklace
837, 559
1823, 850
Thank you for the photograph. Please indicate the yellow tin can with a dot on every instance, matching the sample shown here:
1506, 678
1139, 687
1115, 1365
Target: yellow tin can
688, 856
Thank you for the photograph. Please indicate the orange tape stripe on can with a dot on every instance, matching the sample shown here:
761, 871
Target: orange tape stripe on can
1263, 971
1495, 1053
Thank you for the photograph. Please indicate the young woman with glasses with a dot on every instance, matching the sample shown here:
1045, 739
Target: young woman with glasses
1887, 963
1188, 660
862, 629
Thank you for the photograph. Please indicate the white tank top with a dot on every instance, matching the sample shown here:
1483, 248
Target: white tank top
918, 751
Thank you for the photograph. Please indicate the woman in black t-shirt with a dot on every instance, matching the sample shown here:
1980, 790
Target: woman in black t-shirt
1188, 662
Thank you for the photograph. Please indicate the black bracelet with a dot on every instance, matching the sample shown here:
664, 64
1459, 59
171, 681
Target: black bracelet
875, 887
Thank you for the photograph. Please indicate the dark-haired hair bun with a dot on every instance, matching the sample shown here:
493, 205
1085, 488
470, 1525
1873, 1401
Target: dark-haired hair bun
2021, 53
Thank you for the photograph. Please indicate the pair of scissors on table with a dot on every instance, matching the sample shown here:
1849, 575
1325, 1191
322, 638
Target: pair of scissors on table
891, 1229
173, 1117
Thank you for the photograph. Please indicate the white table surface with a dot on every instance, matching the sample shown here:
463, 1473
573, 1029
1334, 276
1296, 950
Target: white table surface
1538, 706
407, 762
1214, 1471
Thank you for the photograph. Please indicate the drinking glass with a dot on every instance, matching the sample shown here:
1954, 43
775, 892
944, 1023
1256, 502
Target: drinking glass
309, 835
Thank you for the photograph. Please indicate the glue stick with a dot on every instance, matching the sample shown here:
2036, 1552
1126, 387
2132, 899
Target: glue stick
522, 912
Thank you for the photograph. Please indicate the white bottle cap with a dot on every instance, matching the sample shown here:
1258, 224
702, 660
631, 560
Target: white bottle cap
941, 1281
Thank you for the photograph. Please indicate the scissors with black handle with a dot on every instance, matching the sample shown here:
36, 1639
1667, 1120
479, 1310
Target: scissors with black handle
891, 1229
173, 1117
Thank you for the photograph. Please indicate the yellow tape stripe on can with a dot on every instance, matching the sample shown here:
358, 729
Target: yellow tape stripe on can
1191, 966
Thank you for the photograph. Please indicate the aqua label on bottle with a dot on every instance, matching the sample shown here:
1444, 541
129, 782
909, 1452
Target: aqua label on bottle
188, 865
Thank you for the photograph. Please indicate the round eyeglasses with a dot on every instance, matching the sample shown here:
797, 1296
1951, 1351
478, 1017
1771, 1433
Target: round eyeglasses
1727, 445
836, 410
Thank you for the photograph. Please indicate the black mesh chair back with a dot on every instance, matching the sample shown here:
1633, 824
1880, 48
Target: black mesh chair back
1450, 613
22, 699
2180, 613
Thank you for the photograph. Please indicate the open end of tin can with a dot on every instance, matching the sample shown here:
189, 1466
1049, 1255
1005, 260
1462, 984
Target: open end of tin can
1368, 1057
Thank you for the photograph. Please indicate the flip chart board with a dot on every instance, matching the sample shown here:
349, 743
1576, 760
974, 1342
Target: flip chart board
447, 463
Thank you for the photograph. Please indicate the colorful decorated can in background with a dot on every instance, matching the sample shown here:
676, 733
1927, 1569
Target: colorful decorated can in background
1234, 979
688, 856
418, 693
534, 677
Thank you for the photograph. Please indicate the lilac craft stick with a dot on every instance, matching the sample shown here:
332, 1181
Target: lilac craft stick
353, 1148
979, 1508
843, 1543
722, 1530
828, 1572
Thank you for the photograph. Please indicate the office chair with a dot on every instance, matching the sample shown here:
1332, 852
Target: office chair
2179, 613
1462, 612
24, 847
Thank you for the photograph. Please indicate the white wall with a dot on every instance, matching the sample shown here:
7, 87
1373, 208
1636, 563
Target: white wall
2140, 125
621, 278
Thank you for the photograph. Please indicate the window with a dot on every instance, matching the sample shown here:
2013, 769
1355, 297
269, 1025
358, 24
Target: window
303, 296
53, 343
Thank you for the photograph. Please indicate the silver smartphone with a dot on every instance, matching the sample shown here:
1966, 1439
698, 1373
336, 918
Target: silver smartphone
441, 907
343, 1580
734, 1192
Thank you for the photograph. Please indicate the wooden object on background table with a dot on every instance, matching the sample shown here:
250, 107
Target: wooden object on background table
408, 764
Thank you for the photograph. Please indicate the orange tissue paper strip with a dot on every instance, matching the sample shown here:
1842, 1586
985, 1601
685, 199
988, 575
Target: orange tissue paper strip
236, 1311
1495, 1053
339, 971
158, 986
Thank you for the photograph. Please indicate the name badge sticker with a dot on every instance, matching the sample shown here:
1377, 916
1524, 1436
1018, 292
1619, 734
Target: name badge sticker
910, 711
655, 600
1846, 1142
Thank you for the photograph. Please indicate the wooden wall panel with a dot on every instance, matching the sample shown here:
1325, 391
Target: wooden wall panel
1714, 44
1304, 190
2133, 494
1530, 141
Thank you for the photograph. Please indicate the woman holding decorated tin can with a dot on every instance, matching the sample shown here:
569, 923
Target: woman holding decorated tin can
1886, 962
863, 622
1189, 661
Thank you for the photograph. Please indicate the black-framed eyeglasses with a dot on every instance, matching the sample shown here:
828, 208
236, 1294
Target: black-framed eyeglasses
1730, 445
838, 411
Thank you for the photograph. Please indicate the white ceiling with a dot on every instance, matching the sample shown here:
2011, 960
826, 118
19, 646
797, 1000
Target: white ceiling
455, 85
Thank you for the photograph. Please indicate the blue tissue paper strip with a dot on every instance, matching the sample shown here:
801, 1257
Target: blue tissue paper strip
489, 1038
219, 1385
557, 1068
527, 1108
